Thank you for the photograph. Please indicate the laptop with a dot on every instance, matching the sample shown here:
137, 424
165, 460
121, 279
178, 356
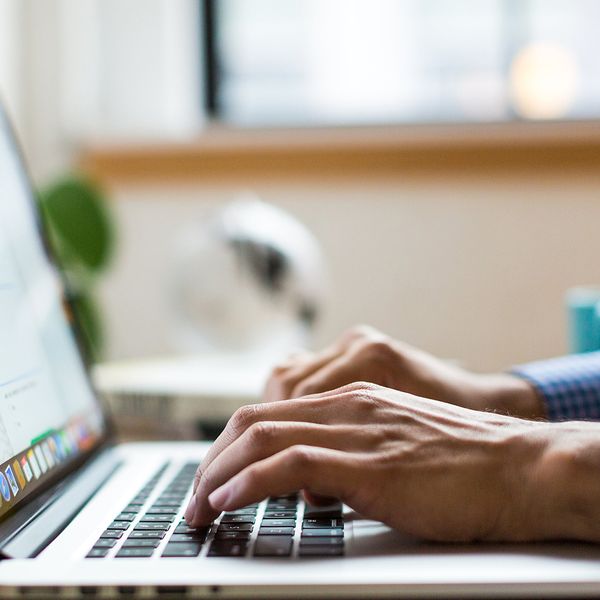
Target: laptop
83, 515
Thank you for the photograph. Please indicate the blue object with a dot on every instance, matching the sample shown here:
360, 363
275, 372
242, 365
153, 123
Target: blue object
569, 385
583, 312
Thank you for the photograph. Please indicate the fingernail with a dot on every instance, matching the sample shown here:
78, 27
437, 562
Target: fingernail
219, 497
191, 509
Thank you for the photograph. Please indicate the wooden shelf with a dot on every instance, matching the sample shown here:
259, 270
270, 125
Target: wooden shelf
247, 156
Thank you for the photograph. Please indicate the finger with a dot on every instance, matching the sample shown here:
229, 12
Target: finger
295, 410
282, 381
265, 439
342, 370
322, 471
321, 408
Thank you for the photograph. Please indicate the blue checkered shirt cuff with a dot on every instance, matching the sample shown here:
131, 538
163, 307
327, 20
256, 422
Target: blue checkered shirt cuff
570, 385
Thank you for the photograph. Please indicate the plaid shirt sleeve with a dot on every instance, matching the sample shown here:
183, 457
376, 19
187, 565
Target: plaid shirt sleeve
570, 385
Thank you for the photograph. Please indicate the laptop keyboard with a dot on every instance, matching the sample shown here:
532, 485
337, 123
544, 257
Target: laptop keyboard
279, 527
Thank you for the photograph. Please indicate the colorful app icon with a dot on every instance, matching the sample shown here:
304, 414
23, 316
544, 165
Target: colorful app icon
11, 480
52, 445
4, 487
59, 447
66, 442
26, 468
34, 464
47, 454
40, 457
19, 473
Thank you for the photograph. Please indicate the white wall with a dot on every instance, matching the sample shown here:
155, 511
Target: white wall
11, 59
467, 268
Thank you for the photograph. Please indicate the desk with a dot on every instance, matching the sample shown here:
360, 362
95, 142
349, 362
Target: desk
187, 397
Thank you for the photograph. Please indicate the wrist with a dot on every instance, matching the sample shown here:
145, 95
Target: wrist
567, 482
532, 503
511, 395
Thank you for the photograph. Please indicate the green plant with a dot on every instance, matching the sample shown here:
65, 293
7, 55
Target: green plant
81, 231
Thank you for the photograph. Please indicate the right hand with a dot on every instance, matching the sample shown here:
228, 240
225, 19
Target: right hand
425, 468
365, 354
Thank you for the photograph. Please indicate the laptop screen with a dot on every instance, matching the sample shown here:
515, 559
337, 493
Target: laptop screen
48, 412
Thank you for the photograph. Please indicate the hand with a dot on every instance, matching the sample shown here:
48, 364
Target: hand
426, 468
365, 354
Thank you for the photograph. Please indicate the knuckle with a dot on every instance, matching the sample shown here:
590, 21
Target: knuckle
301, 457
245, 416
379, 350
285, 383
362, 388
262, 432
280, 368
365, 398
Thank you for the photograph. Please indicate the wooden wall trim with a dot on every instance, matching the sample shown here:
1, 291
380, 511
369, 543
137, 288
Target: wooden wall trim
249, 156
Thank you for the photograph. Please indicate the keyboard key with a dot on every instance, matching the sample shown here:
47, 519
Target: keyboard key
227, 548
321, 551
306, 533
152, 526
105, 543
279, 506
121, 525
273, 546
243, 511
135, 553
322, 523
112, 534
235, 527
146, 535
282, 514
157, 518
278, 522
163, 503
126, 516
141, 543
329, 511
276, 531
97, 553
322, 541
162, 510
185, 528
231, 535
282, 500
187, 537
182, 550
238, 519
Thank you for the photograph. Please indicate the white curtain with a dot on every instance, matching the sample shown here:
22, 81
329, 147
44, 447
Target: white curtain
130, 69
73, 71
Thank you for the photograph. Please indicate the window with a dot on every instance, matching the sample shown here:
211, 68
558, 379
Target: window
330, 62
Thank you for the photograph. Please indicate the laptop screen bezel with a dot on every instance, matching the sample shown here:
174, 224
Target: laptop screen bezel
107, 428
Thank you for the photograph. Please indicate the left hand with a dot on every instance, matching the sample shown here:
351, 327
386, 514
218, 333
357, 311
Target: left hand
426, 468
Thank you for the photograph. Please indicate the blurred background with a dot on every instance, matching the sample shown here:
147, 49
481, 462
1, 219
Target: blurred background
444, 154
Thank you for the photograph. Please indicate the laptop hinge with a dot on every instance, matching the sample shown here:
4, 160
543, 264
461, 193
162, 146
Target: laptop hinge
50, 522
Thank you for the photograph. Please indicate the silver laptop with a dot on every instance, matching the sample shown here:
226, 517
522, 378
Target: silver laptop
80, 514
